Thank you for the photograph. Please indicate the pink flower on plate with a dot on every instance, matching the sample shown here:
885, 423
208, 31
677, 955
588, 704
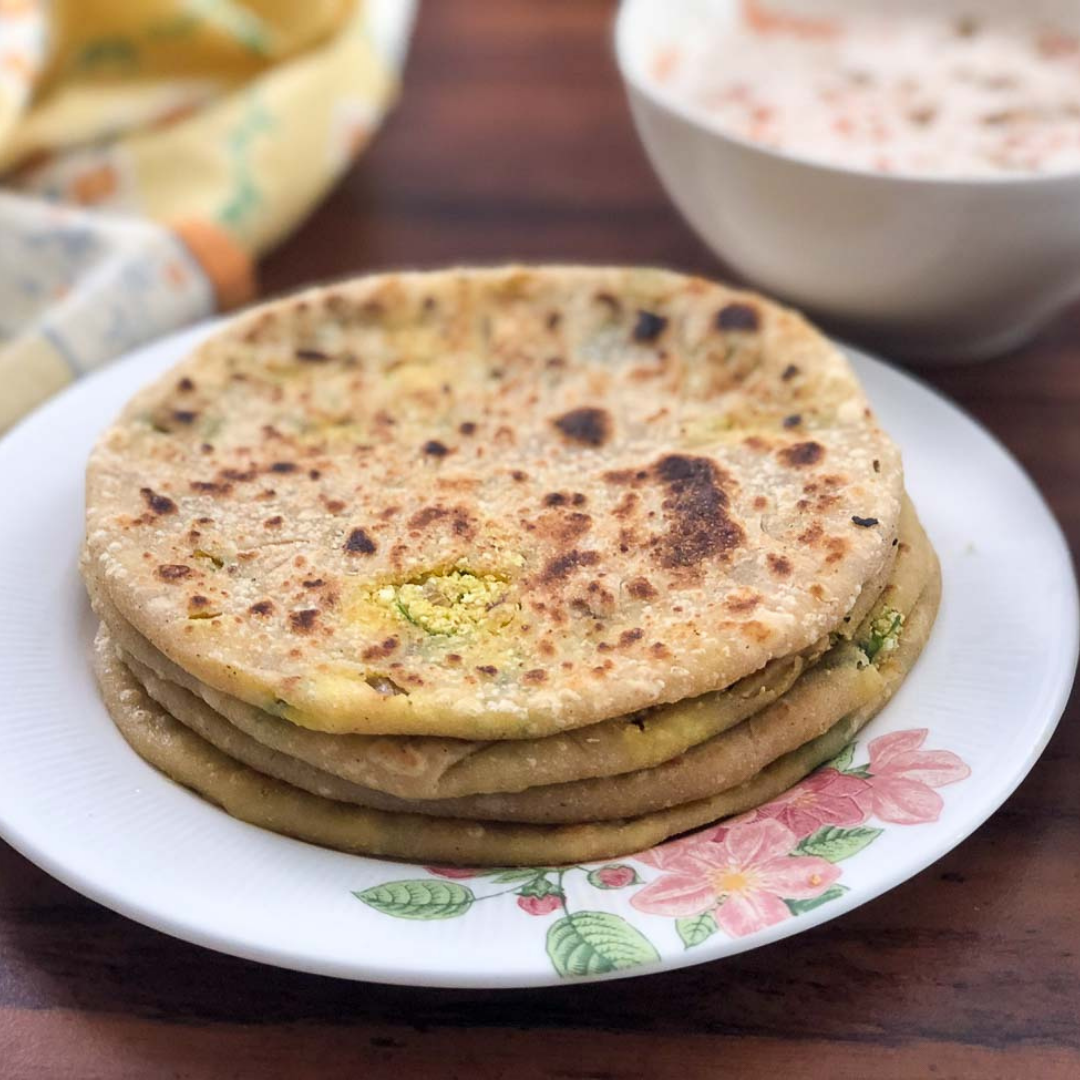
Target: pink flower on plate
827, 797
743, 877
615, 877
452, 871
902, 778
668, 855
540, 905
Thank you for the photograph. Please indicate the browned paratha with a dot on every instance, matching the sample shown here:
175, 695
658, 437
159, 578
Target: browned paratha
415, 767
493, 504
272, 804
844, 681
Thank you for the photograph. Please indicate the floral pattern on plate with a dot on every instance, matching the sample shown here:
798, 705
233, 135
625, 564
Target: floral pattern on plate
766, 866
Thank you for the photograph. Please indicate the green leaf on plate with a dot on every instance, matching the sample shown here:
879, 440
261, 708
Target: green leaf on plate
842, 761
696, 928
539, 886
834, 844
419, 899
593, 942
800, 907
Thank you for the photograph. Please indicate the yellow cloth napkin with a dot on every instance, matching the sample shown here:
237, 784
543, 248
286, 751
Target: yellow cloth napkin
152, 149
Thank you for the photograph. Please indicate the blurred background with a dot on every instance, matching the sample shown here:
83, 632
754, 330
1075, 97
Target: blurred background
512, 139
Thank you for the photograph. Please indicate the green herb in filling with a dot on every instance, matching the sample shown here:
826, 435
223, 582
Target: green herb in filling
885, 633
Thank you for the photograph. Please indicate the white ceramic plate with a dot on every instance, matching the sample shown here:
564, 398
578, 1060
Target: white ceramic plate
961, 734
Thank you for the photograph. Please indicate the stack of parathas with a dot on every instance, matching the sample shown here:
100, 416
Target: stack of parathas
502, 566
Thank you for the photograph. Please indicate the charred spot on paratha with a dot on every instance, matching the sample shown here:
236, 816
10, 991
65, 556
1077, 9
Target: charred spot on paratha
359, 543
262, 608
425, 516
779, 565
649, 326
461, 522
597, 601
742, 603
173, 571
211, 487
696, 510
738, 316
802, 455
381, 651
561, 567
588, 426
641, 589
563, 527
303, 622
562, 498
837, 548
436, 449
159, 504
239, 476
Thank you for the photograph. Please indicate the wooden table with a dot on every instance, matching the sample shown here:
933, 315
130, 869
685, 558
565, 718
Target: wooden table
512, 141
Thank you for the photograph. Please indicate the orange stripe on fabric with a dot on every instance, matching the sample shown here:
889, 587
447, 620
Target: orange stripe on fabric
228, 266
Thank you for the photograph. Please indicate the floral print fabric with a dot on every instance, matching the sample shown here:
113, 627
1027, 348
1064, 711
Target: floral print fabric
183, 138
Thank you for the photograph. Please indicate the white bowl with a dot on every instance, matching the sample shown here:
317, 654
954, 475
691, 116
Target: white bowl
925, 267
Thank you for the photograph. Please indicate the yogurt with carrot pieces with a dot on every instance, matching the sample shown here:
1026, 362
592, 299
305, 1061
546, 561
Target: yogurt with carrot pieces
916, 93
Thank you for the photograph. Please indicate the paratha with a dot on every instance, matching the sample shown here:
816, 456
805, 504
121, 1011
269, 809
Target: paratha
414, 767
493, 504
272, 804
845, 681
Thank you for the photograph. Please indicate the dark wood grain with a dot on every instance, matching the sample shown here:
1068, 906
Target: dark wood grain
512, 141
